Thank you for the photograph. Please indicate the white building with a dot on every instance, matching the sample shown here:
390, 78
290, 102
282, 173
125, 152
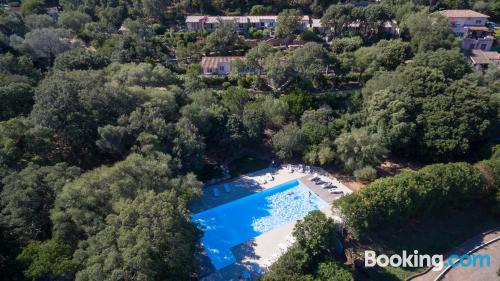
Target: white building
218, 65
209, 23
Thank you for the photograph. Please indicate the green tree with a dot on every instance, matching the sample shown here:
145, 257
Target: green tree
143, 75
428, 32
451, 62
35, 21
73, 20
27, 197
22, 142
74, 104
337, 18
316, 234
298, 101
260, 10
224, 39
288, 141
346, 44
83, 206
450, 131
32, 7
44, 44
80, 59
150, 237
360, 148
189, 145
52, 257
288, 22
333, 271
310, 62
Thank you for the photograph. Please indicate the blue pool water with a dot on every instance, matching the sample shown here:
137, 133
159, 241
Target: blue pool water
235, 222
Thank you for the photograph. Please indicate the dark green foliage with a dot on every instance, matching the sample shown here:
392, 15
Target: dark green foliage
82, 206
149, 238
74, 104
52, 257
416, 107
80, 59
428, 32
22, 142
393, 201
316, 234
28, 196
451, 62
311, 257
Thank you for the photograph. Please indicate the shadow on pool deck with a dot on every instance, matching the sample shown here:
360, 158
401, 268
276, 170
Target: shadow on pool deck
245, 256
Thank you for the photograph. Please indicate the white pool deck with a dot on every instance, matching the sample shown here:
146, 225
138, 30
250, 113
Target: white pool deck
256, 254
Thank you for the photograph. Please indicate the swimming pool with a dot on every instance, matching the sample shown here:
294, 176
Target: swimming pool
235, 222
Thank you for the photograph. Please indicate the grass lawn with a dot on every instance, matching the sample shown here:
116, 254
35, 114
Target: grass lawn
433, 235
246, 165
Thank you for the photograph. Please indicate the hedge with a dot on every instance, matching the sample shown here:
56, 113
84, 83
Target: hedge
392, 201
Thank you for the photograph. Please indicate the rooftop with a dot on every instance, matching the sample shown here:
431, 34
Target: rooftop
462, 14
213, 62
484, 57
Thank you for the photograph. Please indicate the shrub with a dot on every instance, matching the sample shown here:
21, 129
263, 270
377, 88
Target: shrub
392, 201
367, 173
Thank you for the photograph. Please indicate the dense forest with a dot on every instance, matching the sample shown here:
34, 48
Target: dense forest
107, 126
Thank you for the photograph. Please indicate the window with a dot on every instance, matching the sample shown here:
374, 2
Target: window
478, 21
221, 68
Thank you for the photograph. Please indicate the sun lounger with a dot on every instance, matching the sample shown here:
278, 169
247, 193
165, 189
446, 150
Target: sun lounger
216, 192
301, 168
269, 177
314, 177
289, 168
326, 185
227, 188
336, 192
308, 169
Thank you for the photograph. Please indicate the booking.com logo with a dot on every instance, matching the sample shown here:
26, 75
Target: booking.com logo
415, 259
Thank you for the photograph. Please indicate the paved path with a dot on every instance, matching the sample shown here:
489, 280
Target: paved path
472, 273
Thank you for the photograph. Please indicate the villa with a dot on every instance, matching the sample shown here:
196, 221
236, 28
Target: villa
218, 65
471, 26
248, 222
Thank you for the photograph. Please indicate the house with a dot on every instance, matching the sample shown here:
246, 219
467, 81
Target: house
471, 26
218, 65
481, 60
209, 23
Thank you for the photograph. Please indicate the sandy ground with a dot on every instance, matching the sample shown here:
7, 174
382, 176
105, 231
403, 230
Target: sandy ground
256, 254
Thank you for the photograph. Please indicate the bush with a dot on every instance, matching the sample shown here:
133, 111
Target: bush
259, 10
333, 271
392, 201
367, 173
